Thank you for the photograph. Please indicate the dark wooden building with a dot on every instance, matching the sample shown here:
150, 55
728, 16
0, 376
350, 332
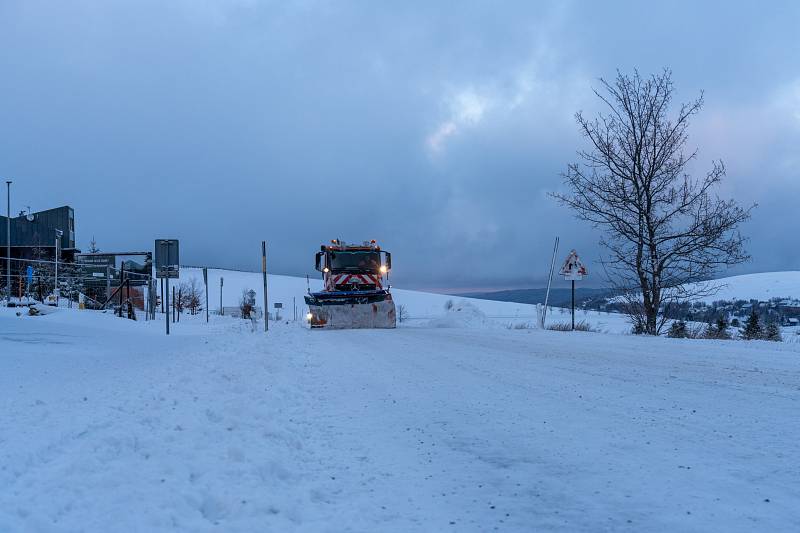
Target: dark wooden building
33, 235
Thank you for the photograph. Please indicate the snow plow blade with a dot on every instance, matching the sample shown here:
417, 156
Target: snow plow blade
352, 311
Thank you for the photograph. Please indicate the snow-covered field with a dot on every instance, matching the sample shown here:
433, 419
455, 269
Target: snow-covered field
761, 286
109, 425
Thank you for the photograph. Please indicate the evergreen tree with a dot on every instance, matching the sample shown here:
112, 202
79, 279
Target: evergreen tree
752, 328
772, 332
42, 283
710, 332
70, 279
721, 328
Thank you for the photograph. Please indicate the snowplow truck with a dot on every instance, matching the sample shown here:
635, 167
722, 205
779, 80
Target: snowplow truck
353, 296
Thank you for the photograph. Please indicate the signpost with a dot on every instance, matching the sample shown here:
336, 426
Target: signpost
205, 282
167, 264
264, 272
573, 270
278, 306
107, 266
221, 283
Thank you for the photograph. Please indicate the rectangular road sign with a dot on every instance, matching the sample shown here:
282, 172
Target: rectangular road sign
167, 259
138, 267
168, 272
278, 305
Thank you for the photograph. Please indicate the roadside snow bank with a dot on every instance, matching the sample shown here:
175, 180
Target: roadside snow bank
462, 314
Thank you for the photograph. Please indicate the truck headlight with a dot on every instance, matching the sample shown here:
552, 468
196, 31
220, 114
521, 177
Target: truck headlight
309, 316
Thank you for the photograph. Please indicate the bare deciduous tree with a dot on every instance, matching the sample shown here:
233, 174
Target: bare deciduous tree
247, 302
402, 313
191, 295
664, 230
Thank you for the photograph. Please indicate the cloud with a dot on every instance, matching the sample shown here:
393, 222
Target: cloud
754, 138
434, 129
466, 109
787, 98
538, 84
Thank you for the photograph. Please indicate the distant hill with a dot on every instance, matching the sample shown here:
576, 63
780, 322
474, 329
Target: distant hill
761, 286
559, 297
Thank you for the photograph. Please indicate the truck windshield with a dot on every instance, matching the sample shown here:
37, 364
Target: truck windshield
362, 261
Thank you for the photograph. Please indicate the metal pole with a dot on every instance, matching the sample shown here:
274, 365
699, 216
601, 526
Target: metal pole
55, 286
221, 283
549, 280
166, 318
121, 282
173, 305
573, 305
108, 282
264, 273
8, 240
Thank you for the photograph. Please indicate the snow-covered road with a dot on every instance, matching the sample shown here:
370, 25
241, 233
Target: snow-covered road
107, 425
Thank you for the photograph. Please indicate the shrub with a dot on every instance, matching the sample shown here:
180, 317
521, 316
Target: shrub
695, 332
247, 302
718, 329
567, 326
402, 313
677, 330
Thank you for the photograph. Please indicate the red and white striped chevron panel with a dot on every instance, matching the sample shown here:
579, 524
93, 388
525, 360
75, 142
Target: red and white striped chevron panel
349, 279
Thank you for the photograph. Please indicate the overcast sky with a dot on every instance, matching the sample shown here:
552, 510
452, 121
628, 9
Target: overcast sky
436, 128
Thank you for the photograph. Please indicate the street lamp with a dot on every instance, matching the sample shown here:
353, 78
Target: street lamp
8, 241
59, 233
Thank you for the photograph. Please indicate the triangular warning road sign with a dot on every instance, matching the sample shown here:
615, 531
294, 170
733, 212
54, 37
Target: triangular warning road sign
573, 269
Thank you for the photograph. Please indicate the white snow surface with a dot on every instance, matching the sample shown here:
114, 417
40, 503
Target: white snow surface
110, 425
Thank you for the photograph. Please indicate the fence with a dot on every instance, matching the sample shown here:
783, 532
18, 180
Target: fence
52, 282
